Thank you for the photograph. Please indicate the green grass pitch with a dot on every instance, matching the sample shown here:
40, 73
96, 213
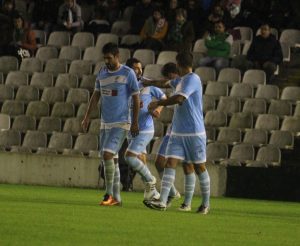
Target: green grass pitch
36, 215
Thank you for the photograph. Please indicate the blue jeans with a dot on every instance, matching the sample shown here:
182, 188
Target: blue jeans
217, 62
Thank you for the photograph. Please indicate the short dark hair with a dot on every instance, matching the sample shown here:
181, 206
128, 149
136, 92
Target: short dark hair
169, 67
110, 48
132, 61
184, 59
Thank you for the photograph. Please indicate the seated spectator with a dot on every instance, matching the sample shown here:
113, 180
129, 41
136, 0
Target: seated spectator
8, 9
154, 31
23, 36
264, 53
196, 15
171, 11
181, 34
99, 24
218, 47
69, 16
113, 11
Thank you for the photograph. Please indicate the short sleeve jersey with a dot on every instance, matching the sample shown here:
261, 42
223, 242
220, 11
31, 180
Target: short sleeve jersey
116, 88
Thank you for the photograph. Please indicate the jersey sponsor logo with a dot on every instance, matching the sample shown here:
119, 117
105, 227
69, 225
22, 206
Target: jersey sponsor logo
108, 92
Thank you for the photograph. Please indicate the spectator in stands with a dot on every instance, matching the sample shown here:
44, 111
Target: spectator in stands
140, 14
25, 8
23, 36
113, 10
8, 9
181, 35
217, 14
218, 46
6, 34
99, 24
264, 53
196, 15
171, 11
154, 31
69, 16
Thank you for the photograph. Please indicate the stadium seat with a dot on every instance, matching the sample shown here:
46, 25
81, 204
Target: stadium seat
6, 93
240, 154
63, 110
246, 47
158, 129
145, 56
166, 57
229, 135
229, 105
52, 95
49, 124
210, 134
291, 37
255, 137
27, 94
86, 142
4, 122
215, 119
88, 82
255, 106
34, 140
291, 124
8, 63
127, 13
16, 79
124, 55
216, 89
31, 65
10, 138
241, 120
282, 139
199, 47
56, 66
242, 91
153, 71
266, 156
120, 28
209, 103
41, 80
66, 81
291, 93
105, 38
83, 40
1, 78
46, 52
130, 40
206, 74
78, 96
98, 67
286, 52
229, 76
216, 152
70, 53
80, 67
254, 77
296, 111
235, 49
94, 114
268, 122
93, 54
59, 39
37, 109
40, 37
23, 123
280, 108
60, 141
13, 108
246, 33
73, 126
94, 127
267, 92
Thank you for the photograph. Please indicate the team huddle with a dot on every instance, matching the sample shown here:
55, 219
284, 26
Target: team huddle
127, 111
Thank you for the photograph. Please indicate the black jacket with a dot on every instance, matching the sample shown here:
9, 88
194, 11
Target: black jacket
262, 50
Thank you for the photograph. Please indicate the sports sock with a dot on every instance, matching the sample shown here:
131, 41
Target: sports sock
189, 187
140, 167
166, 184
116, 185
173, 190
205, 187
109, 170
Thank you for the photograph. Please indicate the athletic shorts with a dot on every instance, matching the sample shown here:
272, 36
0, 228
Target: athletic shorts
190, 149
111, 140
138, 144
163, 146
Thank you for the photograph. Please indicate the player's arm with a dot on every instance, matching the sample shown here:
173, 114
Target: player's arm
156, 112
134, 129
161, 83
92, 104
173, 100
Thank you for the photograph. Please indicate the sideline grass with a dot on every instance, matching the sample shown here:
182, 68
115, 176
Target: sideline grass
36, 215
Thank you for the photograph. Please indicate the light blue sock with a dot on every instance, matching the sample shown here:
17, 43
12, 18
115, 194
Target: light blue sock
205, 187
166, 183
140, 167
189, 187
109, 171
173, 190
116, 186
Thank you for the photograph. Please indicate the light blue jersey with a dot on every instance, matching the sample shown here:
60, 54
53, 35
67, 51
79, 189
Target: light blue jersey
116, 88
188, 117
145, 118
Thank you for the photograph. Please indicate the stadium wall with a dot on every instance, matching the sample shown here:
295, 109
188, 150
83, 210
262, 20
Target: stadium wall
77, 171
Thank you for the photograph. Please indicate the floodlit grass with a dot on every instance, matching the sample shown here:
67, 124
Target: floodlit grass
36, 215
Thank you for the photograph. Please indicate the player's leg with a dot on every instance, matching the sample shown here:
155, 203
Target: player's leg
116, 184
112, 142
136, 146
189, 186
